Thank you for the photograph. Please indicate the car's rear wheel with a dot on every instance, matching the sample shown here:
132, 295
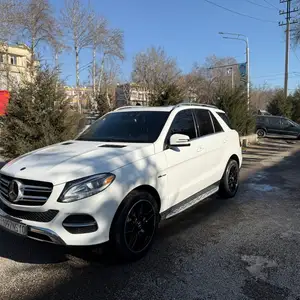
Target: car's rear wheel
134, 226
261, 132
230, 181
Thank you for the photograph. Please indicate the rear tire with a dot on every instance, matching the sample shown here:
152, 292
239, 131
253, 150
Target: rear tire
261, 132
230, 181
134, 226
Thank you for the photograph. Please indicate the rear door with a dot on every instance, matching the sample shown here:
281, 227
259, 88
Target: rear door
273, 125
210, 144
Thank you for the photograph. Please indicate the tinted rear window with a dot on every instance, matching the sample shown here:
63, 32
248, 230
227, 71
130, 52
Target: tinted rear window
204, 122
225, 118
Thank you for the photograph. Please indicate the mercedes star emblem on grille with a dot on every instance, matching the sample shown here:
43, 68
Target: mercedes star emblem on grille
15, 191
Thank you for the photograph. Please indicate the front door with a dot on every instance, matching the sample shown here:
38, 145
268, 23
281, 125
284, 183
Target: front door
289, 128
182, 164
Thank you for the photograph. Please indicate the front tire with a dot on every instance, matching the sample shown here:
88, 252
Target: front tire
230, 181
134, 226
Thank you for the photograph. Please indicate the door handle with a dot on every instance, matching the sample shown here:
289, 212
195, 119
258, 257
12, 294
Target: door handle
200, 149
225, 141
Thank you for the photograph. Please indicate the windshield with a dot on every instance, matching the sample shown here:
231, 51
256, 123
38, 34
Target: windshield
131, 127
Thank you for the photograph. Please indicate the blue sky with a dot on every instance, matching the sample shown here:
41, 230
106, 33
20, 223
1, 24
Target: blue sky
188, 30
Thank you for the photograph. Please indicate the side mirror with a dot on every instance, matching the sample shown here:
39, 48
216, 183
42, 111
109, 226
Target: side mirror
179, 140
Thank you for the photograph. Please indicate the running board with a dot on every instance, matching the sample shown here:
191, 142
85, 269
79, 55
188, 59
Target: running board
190, 201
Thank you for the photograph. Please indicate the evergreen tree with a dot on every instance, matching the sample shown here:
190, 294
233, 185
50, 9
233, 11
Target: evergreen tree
172, 95
234, 103
279, 105
38, 115
296, 105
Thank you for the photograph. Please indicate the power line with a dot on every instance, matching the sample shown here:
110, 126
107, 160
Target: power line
238, 13
295, 54
254, 3
272, 5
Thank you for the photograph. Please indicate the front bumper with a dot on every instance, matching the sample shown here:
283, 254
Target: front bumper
101, 207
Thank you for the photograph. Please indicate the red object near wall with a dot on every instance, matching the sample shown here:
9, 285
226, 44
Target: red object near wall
4, 98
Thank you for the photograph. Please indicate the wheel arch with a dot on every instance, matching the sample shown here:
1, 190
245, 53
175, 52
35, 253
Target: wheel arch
146, 188
234, 157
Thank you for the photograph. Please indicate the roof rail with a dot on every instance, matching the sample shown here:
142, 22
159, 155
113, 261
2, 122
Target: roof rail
195, 104
129, 106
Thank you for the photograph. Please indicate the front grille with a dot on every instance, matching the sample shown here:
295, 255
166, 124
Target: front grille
43, 217
35, 193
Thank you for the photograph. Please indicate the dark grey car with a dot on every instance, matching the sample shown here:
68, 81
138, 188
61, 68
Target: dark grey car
276, 125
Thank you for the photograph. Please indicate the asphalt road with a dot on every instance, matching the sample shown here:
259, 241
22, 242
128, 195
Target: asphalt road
242, 248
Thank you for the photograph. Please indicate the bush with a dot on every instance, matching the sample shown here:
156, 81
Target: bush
234, 103
38, 115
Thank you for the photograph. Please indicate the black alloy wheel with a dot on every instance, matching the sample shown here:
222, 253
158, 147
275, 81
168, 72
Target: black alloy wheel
134, 225
233, 178
140, 226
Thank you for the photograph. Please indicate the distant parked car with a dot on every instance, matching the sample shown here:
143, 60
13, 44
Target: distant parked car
266, 124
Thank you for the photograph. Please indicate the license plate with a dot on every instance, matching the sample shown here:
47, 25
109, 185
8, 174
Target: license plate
13, 226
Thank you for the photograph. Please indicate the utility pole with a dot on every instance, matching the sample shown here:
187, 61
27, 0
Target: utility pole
288, 22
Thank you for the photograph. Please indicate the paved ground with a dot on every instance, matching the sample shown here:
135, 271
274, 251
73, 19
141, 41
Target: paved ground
243, 248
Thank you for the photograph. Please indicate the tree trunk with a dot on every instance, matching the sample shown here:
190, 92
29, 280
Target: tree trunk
7, 68
32, 58
77, 77
101, 74
94, 72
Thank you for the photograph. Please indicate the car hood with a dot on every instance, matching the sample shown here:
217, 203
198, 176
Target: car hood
71, 160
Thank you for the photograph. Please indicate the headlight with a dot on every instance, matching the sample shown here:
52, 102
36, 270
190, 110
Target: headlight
85, 187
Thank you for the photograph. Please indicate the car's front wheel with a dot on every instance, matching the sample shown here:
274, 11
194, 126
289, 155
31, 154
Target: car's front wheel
134, 226
230, 181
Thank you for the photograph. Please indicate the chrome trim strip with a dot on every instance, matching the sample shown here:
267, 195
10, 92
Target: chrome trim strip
81, 225
47, 232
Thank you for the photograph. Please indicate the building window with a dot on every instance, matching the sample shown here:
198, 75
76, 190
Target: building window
1, 58
13, 60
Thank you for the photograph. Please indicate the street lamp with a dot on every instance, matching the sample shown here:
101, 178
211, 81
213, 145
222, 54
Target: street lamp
241, 37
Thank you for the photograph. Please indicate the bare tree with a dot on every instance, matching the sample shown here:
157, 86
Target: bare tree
38, 25
75, 20
9, 19
112, 49
155, 71
9, 23
98, 31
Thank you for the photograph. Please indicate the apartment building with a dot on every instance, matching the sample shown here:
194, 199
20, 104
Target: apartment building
131, 94
81, 96
15, 63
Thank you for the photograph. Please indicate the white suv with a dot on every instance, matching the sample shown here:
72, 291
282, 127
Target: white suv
120, 177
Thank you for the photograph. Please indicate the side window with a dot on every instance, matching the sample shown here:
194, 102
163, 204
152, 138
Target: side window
225, 118
217, 126
204, 122
285, 123
274, 122
183, 123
